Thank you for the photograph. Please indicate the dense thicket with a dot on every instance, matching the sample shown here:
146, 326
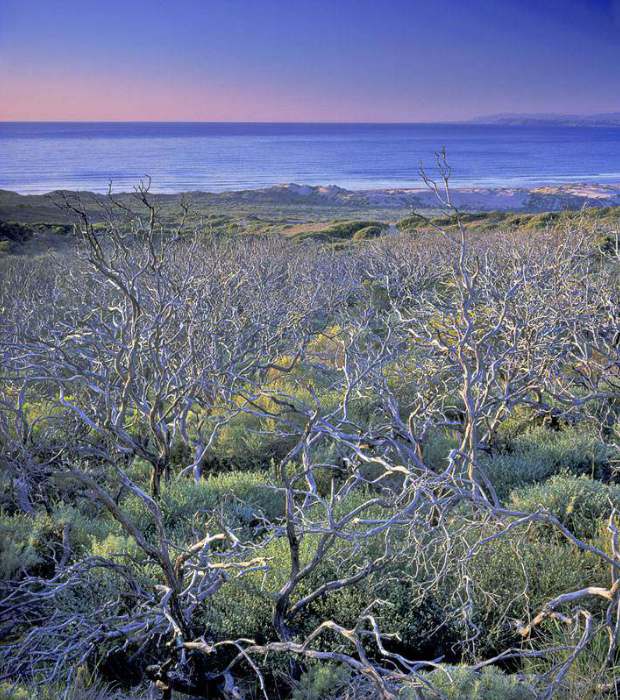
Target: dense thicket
250, 467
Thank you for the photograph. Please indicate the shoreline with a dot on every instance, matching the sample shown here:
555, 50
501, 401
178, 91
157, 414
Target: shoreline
548, 197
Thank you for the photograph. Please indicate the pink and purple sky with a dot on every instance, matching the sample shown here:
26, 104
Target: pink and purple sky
306, 60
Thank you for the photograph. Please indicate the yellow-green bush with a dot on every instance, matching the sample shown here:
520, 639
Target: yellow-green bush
322, 681
580, 503
540, 453
516, 575
26, 543
241, 497
460, 682
244, 607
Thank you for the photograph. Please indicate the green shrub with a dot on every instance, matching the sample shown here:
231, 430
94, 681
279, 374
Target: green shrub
34, 543
514, 576
347, 229
579, 502
113, 546
437, 449
342, 231
422, 624
413, 222
8, 691
460, 682
322, 682
244, 444
368, 232
242, 498
244, 607
589, 672
520, 420
541, 453
87, 523
25, 543
96, 691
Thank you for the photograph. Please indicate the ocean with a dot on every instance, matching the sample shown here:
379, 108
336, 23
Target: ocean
39, 157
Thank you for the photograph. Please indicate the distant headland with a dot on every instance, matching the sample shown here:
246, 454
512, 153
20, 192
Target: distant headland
606, 119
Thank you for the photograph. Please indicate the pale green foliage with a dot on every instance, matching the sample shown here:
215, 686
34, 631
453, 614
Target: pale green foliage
239, 497
322, 682
580, 503
541, 453
460, 682
524, 571
437, 449
23, 542
589, 671
77, 692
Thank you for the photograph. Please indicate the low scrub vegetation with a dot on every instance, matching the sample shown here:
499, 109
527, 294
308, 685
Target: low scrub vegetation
489, 221
243, 467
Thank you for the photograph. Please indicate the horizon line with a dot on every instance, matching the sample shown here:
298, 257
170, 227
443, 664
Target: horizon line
218, 121
474, 121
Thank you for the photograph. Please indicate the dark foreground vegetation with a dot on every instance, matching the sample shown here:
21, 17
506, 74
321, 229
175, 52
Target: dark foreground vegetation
245, 467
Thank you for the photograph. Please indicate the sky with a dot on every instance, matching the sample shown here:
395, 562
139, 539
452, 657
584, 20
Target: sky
306, 60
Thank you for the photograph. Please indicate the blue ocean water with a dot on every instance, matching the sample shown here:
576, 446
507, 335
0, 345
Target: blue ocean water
40, 157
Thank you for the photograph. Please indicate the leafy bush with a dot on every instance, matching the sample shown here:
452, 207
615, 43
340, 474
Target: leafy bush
244, 607
8, 691
413, 222
116, 545
243, 444
579, 502
458, 682
368, 232
322, 682
242, 497
342, 230
541, 453
519, 421
590, 671
25, 543
437, 448
77, 692
346, 229
516, 575
34, 543
14, 232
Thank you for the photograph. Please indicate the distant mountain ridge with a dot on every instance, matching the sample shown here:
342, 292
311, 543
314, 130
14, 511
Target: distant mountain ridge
542, 119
